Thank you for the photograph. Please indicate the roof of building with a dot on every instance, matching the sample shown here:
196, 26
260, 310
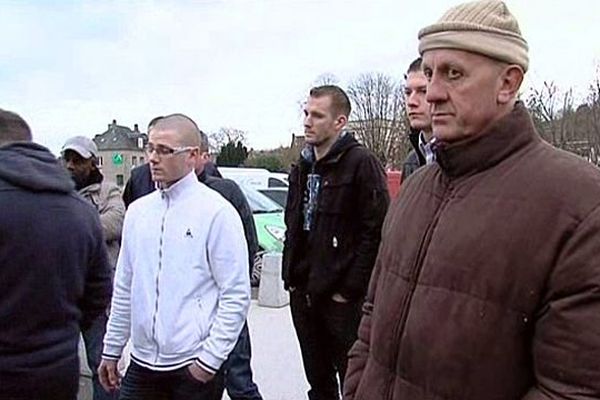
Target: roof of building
119, 137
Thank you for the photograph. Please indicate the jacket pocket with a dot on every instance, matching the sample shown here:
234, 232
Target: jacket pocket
201, 322
141, 330
183, 331
336, 195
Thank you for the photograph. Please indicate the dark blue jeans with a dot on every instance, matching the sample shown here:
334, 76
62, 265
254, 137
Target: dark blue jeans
142, 383
92, 339
238, 372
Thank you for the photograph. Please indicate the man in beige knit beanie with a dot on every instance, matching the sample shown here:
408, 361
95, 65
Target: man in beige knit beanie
487, 281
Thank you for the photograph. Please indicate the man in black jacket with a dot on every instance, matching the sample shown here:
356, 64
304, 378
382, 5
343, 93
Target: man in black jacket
237, 369
336, 205
419, 118
55, 277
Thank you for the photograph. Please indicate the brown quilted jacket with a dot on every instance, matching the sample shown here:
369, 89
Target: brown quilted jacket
487, 281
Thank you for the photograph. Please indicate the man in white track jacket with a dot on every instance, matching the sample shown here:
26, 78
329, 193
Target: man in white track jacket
181, 288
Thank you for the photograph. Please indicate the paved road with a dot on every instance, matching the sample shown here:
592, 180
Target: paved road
275, 354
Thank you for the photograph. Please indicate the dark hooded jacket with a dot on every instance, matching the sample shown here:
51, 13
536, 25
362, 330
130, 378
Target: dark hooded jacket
487, 281
338, 254
54, 271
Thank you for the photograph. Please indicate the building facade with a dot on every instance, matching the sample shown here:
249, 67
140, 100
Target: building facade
119, 150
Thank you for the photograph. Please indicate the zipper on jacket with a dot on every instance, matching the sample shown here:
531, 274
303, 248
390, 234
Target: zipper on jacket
160, 256
414, 274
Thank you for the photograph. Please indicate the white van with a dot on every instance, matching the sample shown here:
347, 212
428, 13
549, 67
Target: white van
257, 178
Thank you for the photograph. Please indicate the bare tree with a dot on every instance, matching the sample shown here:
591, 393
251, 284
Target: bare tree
326, 79
553, 114
573, 129
379, 116
226, 135
591, 120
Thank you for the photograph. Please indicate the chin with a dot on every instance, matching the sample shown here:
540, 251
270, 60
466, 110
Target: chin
415, 121
448, 138
444, 135
418, 126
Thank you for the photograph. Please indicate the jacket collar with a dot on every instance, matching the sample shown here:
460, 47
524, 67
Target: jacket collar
507, 136
343, 143
414, 138
181, 186
94, 179
94, 187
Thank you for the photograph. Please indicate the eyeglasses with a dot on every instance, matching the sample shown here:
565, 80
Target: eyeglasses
165, 150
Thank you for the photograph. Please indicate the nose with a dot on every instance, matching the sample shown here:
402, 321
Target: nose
412, 100
436, 91
307, 121
69, 165
152, 156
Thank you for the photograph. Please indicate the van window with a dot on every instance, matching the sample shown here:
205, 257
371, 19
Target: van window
274, 182
259, 203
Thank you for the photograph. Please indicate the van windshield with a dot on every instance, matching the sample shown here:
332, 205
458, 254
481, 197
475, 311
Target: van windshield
259, 203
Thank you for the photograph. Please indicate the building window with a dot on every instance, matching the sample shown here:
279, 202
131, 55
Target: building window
141, 160
120, 180
133, 161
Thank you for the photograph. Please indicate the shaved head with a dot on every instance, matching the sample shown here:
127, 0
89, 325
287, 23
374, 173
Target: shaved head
188, 133
13, 128
173, 148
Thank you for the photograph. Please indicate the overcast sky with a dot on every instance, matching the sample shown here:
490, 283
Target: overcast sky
71, 67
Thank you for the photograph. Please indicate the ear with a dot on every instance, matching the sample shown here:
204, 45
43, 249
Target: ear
341, 121
510, 81
193, 155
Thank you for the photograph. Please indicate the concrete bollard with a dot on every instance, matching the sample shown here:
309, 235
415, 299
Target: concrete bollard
270, 290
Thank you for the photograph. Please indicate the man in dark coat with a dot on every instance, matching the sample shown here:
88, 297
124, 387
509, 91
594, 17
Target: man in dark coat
55, 278
336, 204
487, 281
419, 119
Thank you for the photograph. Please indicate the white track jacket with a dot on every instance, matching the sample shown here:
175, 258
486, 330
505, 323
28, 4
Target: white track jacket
181, 288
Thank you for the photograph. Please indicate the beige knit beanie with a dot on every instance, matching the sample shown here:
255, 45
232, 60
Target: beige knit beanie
485, 27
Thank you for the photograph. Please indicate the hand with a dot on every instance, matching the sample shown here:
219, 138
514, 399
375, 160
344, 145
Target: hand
109, 376
199, 373
338, 298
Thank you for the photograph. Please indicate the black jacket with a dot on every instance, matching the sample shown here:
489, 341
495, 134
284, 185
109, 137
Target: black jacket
415, 159
54, 271
339, 253
140, 184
